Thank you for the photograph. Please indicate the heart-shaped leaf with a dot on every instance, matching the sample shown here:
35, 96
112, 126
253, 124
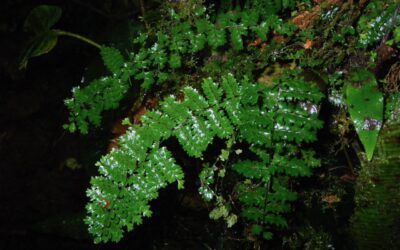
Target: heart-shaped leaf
365, 104
41, 44
42, 18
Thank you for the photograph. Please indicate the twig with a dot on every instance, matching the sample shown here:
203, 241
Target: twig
350, 164
143, 10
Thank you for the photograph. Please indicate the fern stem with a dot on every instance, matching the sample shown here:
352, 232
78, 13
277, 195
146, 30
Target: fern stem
79, 37
143, 10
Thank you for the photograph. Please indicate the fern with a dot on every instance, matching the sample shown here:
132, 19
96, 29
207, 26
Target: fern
170, 51
132, 175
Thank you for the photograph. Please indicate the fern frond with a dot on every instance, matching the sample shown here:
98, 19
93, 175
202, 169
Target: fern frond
135, 172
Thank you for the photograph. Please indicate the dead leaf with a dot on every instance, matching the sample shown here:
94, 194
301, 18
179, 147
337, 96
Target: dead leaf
308, 44
331, 199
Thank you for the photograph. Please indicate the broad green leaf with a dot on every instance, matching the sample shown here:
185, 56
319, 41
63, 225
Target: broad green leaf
42, 18
365, 104
41, 44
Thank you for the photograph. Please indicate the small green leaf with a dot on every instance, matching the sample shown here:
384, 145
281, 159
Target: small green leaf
231, 220
112, 58
261, 30
70, 127
181, 184
256, 229
42, 18
222, 173
219, 212
126, 122
198, 42
267, 235
236, 37
224, 155
175, 61
216, 38
365, 103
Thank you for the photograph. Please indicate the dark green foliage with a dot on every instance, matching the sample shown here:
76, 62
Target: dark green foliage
43, 39
376, 221
270, 7
42, 18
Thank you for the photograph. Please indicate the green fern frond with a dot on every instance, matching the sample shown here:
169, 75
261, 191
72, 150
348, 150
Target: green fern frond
274, 132
132, 175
